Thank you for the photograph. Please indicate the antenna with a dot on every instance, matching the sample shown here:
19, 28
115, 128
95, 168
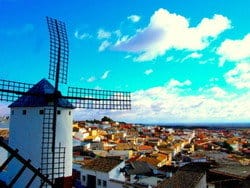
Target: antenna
79, 97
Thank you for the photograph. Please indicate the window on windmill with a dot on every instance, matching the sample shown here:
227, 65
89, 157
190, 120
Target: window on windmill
12, 112
99, 182
24, 112
41, 112
104, 183
58, 112
69, 113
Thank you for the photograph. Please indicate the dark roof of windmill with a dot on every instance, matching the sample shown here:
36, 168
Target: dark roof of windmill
40, 95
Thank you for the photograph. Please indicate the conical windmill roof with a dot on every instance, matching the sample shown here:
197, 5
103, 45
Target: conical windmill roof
40, 95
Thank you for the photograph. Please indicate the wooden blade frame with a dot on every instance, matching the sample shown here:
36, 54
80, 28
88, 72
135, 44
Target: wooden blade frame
59, 50
11, 91
99, 99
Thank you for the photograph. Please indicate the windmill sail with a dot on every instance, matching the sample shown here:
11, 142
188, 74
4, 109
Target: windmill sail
59, 50
10, 90
99, 99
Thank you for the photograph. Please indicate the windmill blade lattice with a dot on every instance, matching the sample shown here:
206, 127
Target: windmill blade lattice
99, 99
59, 50
11, 91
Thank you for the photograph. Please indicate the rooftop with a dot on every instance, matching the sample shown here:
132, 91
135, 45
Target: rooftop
102, 164
182, 179
4, 133
188, 176
139, 167
233, 170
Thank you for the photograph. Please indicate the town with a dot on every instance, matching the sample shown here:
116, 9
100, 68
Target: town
113, 154
117, 154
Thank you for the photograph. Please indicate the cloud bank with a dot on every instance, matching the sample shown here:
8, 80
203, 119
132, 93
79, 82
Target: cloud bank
166, 103
168, 30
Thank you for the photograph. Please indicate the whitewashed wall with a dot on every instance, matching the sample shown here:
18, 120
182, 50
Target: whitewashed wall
26, 136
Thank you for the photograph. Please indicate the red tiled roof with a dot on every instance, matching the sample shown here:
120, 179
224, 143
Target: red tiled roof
150, 160
145, 147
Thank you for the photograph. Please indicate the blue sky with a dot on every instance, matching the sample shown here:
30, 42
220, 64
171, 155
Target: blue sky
183, 61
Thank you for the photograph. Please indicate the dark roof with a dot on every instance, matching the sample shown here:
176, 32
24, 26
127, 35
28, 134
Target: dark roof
138, 167
40, 95
167, 168
196, 167
233, 170
185, 179
188, 176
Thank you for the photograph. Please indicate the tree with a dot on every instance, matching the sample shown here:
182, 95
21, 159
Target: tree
105, 118
227, 146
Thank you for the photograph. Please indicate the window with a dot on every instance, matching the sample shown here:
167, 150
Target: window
41, 112
104, 183
83, 178
12, 112
58, 112
69, 113
24, 112
99, 182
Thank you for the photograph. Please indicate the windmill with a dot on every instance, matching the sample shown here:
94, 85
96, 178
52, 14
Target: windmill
46, 98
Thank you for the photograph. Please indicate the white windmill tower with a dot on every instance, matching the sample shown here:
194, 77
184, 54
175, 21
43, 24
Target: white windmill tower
32, 134
41, 120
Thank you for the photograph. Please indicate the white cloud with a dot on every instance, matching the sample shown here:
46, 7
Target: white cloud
104, 45
239, 76
159, 104
91, 79
102, 34
121, 40
175, 83
193, 55
234, 50
134, 18
81, 36
105, 75
218, 92
127, 57
148, 72
118, 33
168, 30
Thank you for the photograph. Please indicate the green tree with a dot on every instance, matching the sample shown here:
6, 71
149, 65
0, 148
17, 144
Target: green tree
227, 146
105, 118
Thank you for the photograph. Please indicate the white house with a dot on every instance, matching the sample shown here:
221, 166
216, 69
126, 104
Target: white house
101, 173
